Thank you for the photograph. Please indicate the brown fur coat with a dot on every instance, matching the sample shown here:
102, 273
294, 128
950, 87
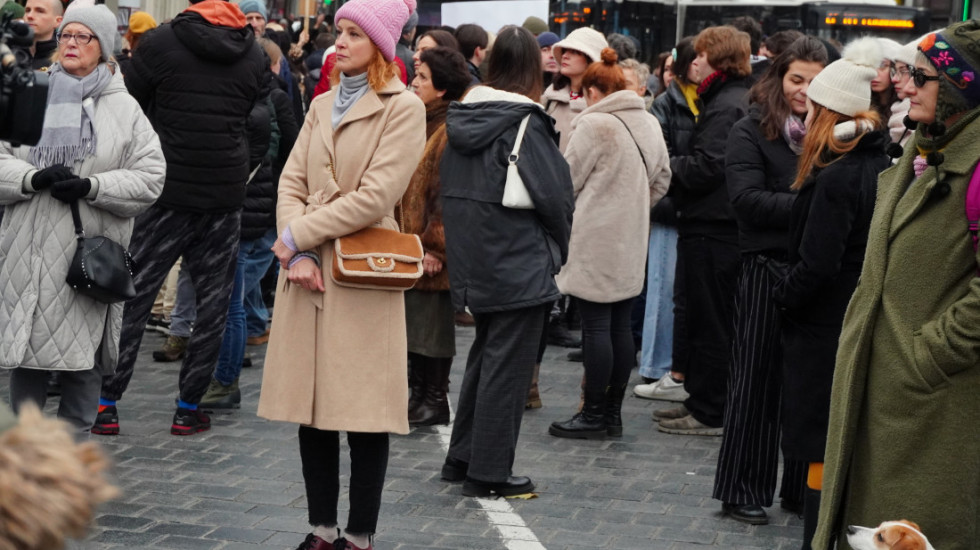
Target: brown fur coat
421, 209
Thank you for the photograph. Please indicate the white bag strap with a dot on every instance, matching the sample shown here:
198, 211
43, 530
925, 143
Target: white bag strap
512, 159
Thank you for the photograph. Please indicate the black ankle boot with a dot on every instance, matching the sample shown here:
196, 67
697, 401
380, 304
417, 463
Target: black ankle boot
614, 410
434, 408
811, 510
416, 383
588, 424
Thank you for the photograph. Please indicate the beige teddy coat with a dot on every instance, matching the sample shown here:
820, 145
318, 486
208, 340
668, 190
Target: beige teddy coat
614, 192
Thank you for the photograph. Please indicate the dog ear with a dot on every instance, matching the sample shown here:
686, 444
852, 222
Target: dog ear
906, 540
911, 524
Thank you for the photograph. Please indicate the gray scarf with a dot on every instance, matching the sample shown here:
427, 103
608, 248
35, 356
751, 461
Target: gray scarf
351, 89
68, 135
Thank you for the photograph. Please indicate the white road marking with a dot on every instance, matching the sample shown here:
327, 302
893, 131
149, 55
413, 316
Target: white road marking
500, 514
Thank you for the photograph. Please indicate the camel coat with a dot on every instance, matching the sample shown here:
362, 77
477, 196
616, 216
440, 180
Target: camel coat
614, 191
904, 434
337, 360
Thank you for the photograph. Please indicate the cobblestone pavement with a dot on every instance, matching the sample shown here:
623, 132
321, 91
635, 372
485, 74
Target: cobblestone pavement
239, 486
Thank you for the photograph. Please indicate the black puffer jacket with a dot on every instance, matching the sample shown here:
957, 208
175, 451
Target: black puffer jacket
758, 173
198, 79
677, 122
259, 208
698, 183
503, 259
676, 119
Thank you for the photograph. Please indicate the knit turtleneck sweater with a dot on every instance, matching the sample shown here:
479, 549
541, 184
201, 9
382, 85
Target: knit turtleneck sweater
351, 89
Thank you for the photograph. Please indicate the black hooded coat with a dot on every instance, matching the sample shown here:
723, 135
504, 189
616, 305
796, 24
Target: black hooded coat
503, 259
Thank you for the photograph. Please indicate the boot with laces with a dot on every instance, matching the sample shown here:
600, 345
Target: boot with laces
173, 350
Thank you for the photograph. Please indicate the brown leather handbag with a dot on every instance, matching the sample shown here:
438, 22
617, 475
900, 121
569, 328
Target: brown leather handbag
376, 258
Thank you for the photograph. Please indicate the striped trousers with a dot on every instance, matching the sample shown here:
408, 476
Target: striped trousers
749, 458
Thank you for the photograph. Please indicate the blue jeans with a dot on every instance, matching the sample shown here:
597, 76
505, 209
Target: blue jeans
259, 257
658, 323
233, 342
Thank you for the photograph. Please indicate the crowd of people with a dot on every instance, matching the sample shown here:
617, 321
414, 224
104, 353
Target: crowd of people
770, 227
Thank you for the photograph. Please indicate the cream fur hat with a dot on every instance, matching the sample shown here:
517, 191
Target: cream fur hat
585, 40
844, 86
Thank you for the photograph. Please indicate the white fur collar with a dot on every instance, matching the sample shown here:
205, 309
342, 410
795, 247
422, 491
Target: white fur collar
480, 94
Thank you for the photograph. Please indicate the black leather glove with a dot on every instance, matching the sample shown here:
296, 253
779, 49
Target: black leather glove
71, 190
46, 177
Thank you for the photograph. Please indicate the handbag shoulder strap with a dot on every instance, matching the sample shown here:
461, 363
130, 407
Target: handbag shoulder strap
517, 143
77, 218
642, 156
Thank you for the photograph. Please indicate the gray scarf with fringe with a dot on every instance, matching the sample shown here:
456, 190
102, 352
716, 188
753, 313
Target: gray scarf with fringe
69, 131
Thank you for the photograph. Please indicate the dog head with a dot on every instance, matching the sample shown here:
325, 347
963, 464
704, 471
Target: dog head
890, 535
49, 484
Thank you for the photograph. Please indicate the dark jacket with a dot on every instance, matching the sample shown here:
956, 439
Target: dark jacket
197, 80
758, 173
677, 122
43, 50
698, 183
259, 208
501, 258
676, 119
829, 228
475, 77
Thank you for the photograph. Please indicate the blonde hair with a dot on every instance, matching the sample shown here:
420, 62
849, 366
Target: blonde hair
380, 71
820, 140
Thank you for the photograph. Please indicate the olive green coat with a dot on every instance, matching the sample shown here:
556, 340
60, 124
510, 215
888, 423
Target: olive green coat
904, 437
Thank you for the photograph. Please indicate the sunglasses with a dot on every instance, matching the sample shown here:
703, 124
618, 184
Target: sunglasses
919, 77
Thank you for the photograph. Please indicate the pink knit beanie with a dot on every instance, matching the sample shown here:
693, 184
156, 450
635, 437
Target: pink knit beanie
382, 20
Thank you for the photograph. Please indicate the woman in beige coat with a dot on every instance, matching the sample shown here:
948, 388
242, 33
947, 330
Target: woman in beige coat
337, 355
620, 169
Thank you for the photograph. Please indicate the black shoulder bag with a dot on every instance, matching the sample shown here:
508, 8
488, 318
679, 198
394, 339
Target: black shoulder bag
101, 268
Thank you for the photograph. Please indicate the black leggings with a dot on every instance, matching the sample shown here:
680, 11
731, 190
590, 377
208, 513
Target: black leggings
320, 452
607, 343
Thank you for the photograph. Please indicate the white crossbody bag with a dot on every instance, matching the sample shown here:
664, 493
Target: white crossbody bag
515, 193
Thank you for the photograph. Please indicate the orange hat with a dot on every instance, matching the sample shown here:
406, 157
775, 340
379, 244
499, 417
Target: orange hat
140, 22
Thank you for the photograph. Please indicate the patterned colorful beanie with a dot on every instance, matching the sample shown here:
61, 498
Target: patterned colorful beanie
955, 53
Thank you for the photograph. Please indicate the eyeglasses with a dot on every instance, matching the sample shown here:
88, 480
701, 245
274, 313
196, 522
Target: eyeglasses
80, 38
901, 74
919, 77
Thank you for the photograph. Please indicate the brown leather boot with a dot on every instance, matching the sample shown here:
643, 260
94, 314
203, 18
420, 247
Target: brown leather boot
533, 397
435, 405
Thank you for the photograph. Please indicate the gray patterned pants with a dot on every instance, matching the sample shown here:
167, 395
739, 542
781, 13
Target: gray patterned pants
209, 245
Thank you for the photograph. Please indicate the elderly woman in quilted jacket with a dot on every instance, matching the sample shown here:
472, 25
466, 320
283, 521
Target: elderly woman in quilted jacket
99, 150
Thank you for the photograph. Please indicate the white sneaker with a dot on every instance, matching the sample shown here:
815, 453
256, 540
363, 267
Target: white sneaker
665, 389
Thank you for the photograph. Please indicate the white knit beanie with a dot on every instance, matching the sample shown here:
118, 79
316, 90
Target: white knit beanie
844, 86
588, 41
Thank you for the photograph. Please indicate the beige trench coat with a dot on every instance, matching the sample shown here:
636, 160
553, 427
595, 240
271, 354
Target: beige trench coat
337, 360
